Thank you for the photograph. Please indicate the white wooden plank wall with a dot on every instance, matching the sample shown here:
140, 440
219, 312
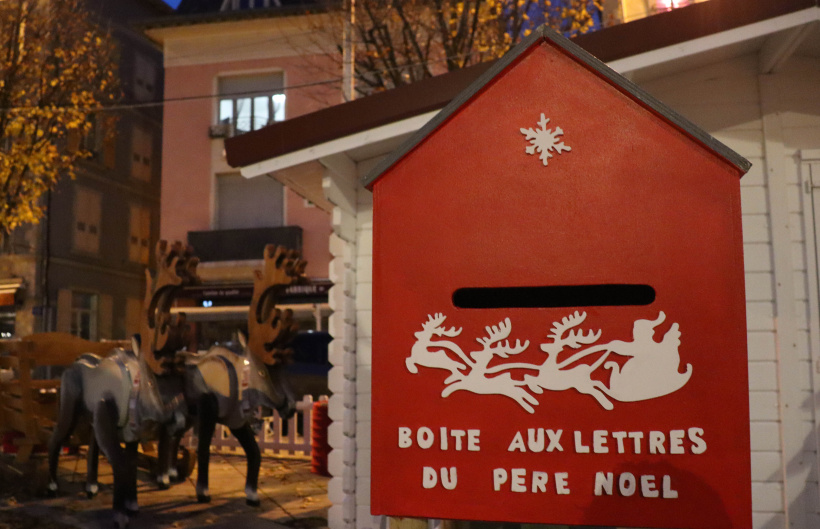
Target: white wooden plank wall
342, 378
364, 298
725, 99
350, 351
798, 105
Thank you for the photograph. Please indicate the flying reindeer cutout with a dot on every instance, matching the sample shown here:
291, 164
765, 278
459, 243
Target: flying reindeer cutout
130, 396
651, 369
227, 388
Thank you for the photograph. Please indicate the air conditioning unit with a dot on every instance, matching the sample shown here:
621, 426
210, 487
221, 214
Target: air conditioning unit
221, 130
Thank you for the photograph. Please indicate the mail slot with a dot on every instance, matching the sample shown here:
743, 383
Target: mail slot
559, 328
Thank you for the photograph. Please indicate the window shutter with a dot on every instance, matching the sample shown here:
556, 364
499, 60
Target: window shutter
134, 234
105, 317
249, 203
145, 235
133, 307
145, 78
247, 85
87, 216
64, 310
109, 142
142, 152
139, 236
136, 152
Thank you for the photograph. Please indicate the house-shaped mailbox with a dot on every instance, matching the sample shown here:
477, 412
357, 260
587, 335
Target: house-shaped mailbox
559, 330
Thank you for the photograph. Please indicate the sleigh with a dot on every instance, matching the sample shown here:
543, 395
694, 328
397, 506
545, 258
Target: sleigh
28, 405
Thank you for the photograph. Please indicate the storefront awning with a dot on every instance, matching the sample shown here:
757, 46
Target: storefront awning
9, 286
240, 312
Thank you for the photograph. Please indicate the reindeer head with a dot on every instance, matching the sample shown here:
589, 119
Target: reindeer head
574, 338
433, 326
270, 329
160, 337
494, 346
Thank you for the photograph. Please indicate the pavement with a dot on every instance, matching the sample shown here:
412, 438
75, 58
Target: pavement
291, 496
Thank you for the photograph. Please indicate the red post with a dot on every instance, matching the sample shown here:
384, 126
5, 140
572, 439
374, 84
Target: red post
319, 445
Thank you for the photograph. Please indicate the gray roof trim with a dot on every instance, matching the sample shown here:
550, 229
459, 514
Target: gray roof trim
544, 32
217, 17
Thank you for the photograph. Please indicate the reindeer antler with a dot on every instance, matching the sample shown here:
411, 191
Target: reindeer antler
499, 332
175, 268
270, 330
574, 339
433, 324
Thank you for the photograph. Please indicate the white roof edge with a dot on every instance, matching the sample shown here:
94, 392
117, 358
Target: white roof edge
716, 40
346, 143
625, 65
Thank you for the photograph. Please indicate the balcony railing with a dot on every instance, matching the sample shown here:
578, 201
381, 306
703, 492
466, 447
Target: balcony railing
242, 244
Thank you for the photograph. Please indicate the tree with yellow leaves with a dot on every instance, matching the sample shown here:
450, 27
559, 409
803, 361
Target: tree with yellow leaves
398, 42
57, 67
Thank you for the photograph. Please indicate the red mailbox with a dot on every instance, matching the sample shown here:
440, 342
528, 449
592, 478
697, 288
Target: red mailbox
559, 329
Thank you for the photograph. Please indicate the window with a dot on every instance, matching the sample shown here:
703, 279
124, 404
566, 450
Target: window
133, 306
139, 234
250, 102
145, 78
84, 315
142, 150
87, 216
100, 140
249, 203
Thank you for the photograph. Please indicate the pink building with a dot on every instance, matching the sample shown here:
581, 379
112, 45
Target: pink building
231, 69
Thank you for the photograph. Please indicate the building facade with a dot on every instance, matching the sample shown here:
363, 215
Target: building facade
229, 69
81, 270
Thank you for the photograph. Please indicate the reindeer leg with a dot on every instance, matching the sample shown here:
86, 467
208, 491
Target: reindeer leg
70, 406
207, 412
105, 429
447, 391
173, 473
526, 400
246, 438
164, 458
93, 464
131, 505
598, 390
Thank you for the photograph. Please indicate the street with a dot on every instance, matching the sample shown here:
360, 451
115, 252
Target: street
291, 496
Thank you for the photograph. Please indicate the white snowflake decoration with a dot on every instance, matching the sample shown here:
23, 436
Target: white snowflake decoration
544, 140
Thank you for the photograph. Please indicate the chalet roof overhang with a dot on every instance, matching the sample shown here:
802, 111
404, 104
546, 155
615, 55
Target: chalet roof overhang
684, 38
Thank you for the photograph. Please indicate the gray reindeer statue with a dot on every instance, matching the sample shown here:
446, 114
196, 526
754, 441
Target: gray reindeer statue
227, 388
130, 396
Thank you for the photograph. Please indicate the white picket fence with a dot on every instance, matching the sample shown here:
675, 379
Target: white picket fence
270, 436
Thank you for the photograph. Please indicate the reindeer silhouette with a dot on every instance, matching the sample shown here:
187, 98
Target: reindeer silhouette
570, 374
428, 353
476, 379
650, 371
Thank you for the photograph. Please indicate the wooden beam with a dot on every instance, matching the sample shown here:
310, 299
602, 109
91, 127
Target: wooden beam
779, 47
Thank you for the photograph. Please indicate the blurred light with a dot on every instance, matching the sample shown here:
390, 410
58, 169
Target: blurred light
207, 303
666, 5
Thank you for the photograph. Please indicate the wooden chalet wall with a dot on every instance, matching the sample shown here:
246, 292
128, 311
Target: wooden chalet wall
351, 247
772, 119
